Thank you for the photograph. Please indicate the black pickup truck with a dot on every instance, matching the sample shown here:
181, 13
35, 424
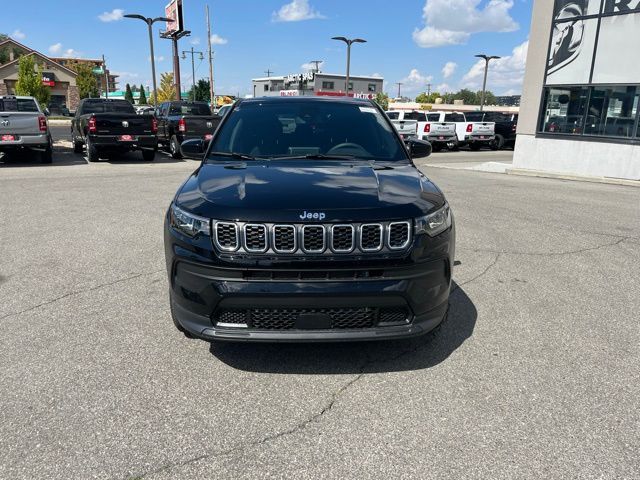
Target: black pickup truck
107, 126
505, 126
180, 121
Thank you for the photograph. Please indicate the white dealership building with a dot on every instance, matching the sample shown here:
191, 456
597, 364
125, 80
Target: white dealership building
579, 113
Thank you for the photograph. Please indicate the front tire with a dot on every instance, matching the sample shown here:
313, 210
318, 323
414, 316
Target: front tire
474, 146
92, 152
174, 147
148, 155
77, 146
47, 155
497, 143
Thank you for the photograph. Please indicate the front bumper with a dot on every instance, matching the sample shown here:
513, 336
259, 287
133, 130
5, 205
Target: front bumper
200, 291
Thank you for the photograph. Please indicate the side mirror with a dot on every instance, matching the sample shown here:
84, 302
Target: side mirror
193, 148
418, 148
47, 112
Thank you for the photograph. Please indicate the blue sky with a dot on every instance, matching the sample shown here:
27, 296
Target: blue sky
411, 41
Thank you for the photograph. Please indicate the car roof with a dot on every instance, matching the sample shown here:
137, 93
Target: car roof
305, 99
20, 97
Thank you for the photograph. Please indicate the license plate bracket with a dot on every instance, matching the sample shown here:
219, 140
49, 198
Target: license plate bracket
8, 138
313, 321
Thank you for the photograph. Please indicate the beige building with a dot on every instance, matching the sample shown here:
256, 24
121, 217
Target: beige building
60, 79
580, 110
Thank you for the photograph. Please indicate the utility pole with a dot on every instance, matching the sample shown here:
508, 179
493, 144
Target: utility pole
211, 89
193, 69
317, 64
268, 72
399, 83
106, 78
428, 89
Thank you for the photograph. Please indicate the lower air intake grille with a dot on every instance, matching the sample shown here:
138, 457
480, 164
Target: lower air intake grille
285, 318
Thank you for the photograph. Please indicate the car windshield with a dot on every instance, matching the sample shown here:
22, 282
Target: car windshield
307, 129
18, 105
393, 115
196, 109
118, 106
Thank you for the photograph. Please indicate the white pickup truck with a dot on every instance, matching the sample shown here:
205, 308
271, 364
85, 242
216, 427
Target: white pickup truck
407, 123
23, 125
474, 134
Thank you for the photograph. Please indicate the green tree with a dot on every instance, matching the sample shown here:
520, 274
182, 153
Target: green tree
467, 96
143, 96
382, 99
489, 97
86, 80
430, 98
30, 81
128, 94
167, 90
203, 94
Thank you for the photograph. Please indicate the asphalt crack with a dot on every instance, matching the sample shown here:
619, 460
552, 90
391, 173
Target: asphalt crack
77, 292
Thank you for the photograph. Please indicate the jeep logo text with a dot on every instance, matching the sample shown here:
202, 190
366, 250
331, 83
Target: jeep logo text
312, 216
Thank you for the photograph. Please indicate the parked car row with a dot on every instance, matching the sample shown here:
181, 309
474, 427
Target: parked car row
456, 129
108, 127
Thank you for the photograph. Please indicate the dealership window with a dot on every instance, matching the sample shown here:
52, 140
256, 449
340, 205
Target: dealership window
266, 87
328, 85
564, 110
372, 87
612, 111
350, 85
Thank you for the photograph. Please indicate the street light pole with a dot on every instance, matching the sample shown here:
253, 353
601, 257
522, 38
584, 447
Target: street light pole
193, 70
150, 21
486, 58
399, 84
349, 42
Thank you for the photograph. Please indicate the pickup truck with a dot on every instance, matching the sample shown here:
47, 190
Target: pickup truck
109, 126
473, 134
439, 130
23, 125
406, 123
180, 121
505, 129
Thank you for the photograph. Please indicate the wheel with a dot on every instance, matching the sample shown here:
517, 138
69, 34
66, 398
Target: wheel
435, 147
47, 155
474, 146
148, 155
174, 147
497, 143
179, 327
92, 152
77, 146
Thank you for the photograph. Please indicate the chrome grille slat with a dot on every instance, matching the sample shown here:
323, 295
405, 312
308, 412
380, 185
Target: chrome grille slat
313, 238
257, 238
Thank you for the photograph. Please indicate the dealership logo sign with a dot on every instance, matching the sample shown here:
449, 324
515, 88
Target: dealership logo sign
566, 40
614, 6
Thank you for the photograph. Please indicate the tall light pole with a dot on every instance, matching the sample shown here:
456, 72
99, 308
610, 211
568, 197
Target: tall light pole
349, 42
193, 69
150, 21
486, 58
399, 84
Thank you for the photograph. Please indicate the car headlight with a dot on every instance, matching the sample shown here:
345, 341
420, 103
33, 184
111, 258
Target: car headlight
188, 223
435, 223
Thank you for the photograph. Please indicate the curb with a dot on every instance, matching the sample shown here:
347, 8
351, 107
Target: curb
575, 178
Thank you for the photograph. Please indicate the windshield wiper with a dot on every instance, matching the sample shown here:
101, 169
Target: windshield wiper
239, 156
316, 156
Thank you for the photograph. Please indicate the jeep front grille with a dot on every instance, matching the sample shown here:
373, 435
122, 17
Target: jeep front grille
311, 239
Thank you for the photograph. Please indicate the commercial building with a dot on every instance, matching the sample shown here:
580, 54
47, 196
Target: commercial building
55, 74
316, 83
579, 112
107, 79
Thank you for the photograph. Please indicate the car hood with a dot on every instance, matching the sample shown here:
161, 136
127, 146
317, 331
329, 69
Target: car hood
281, 191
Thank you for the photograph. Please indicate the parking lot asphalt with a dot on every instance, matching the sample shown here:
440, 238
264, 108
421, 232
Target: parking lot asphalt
536, 374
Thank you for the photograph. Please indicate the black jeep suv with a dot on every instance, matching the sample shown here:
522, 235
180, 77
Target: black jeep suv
308, 221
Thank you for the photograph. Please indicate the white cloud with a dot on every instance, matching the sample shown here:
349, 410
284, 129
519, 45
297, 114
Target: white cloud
218, 40
414, 82
18, 34
377, 75
451, 22
158, 58
55, 48
505, 74
112, 16
443, 88
71, 53
296, 11
195, 41
308, 67
448, 69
